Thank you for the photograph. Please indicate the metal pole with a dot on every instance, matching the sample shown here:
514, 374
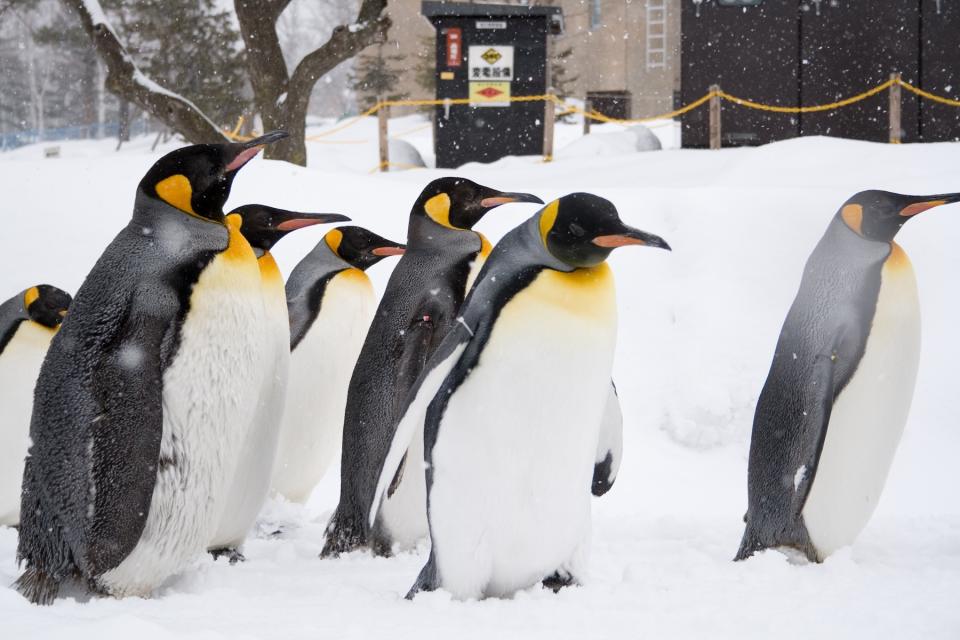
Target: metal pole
715, 117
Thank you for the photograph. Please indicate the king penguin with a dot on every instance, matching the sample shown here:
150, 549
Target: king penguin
330, 300
511, 406
836, 399
28, 322
146, 391
263, 227
418, 308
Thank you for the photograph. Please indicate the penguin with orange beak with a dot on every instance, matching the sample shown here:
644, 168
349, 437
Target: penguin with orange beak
511, 407
836, 399
263, 227
144, 399
331, 302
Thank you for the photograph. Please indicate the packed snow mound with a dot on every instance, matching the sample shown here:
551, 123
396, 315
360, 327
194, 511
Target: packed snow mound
636, 138
404, 155
697, 329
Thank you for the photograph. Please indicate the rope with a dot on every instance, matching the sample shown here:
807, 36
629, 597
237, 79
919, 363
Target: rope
929, 96
599, 117
811, 109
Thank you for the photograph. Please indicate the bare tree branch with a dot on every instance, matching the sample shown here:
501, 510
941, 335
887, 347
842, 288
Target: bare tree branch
281, 97
126, 81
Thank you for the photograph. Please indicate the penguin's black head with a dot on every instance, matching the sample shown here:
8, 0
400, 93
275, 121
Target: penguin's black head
360, 247
197, 179
878, 215
459, 203
581, 230
46, 304
264, 226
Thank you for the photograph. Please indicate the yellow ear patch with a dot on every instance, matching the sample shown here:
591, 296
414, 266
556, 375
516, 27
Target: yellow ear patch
547, 219
852, 215
30, 297
438, 208
333, 238
177, 192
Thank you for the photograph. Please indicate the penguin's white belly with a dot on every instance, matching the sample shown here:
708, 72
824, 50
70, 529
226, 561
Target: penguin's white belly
868, 417
513, 461
251, 478
209, 393
320, 370
403, 515
19, 367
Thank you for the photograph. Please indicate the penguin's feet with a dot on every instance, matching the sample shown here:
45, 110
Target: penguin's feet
231, 554
342, 539
558, 581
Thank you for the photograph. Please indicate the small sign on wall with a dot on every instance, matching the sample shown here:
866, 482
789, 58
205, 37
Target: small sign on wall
454, 46
489, 94
490, 62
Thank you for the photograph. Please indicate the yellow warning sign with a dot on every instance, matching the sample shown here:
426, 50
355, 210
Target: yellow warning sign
490, 94
491, 56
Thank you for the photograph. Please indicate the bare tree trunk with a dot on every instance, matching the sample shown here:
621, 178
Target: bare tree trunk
123, 123
128, 83
282, 98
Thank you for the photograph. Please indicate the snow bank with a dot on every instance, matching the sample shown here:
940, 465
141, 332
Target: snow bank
697, 329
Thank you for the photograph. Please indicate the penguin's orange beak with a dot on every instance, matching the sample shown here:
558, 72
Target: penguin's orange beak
934, 201
389, 251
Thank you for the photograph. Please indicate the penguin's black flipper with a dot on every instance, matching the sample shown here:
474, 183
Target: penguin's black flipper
427, 580
831, 369
96, 429
609, 446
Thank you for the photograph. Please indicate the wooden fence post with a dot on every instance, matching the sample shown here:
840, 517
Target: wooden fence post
587, 121
548, 117
715, 117
895, 109
383, 115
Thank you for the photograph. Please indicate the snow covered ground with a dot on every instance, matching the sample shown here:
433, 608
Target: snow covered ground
697, 329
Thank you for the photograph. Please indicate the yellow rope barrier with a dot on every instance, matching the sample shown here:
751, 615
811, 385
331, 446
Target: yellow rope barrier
811, 109
599, 117
929, 96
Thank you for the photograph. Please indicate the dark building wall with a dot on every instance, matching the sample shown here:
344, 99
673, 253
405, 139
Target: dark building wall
804, 52
940, 68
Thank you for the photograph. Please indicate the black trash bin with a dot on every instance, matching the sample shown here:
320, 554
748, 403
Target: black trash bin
490, 53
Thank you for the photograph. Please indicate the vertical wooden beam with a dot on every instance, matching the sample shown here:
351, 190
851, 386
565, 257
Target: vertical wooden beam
383, 116
715, 117
548, 117
895, 109
588, 108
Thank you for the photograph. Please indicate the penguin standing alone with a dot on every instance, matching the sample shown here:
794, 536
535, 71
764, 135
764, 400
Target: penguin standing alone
838, 393
263, 227
511, 405
418, 308
330, 302
146, 392
28, 322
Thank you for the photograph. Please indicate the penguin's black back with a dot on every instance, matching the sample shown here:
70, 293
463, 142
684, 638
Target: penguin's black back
97, 418
417, 310
820, 346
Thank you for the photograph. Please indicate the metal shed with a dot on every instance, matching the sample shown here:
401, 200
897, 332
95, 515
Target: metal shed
490, 53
